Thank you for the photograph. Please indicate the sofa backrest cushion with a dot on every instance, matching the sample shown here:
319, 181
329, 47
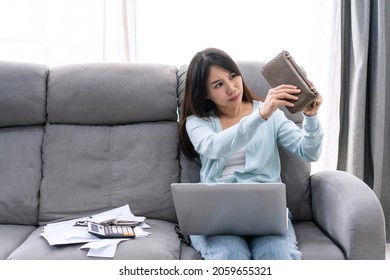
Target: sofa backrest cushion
22, 94
114, 141
22, 118
295, 172
111, 94
88, 169
20, 174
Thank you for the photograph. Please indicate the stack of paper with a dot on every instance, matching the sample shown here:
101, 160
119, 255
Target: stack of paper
67, 233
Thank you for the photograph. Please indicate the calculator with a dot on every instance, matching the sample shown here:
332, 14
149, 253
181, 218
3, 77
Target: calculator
111, 231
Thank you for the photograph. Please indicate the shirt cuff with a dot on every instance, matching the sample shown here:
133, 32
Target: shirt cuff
311, 122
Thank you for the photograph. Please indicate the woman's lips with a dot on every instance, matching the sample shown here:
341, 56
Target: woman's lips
235, 98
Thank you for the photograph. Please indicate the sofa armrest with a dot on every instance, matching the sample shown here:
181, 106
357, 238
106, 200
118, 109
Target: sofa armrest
346, 209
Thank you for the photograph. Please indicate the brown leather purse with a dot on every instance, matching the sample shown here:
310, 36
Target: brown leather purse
283, 70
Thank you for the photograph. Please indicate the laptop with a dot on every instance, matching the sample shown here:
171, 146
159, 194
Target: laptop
231, 208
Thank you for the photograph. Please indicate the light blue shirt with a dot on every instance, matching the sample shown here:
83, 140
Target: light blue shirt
260, 138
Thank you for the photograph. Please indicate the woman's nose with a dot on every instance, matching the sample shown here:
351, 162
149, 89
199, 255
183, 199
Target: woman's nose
230, 88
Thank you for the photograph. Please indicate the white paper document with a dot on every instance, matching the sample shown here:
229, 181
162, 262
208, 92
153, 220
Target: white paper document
102, 248
67, 233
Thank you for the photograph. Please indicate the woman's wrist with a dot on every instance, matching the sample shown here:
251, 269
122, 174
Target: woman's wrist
261, 116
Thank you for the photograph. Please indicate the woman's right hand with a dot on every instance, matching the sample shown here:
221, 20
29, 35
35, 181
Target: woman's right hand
276, 97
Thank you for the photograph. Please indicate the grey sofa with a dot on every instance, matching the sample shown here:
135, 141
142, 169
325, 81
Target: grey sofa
81, 139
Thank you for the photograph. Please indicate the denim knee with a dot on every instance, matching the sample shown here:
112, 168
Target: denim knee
276, 247
273, 247
221, 247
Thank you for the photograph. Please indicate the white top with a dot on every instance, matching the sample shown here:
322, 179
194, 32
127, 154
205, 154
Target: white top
233, 163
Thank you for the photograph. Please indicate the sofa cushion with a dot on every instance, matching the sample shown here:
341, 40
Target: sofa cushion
295, 174
189, 253
314, 244
89, 169
20, 174
161, 244
22, 94
111, 94
11, 236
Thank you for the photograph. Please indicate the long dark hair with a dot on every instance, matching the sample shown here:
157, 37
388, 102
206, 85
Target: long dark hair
195, 101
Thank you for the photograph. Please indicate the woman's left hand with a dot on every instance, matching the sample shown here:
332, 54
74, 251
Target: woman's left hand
312, 109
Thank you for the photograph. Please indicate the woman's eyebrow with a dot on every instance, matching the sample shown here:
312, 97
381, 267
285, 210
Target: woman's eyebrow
215, 82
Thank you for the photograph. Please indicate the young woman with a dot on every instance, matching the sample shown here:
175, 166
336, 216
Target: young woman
235, 134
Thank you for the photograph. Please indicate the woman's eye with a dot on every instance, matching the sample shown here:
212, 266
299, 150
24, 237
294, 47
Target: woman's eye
232, 76
218, 85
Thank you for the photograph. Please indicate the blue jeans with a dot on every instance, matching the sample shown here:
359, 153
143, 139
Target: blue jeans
231, 247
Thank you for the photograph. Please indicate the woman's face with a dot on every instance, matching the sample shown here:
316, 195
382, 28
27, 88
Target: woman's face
224, 88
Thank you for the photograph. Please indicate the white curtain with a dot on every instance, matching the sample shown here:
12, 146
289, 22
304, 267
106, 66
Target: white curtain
56, 32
